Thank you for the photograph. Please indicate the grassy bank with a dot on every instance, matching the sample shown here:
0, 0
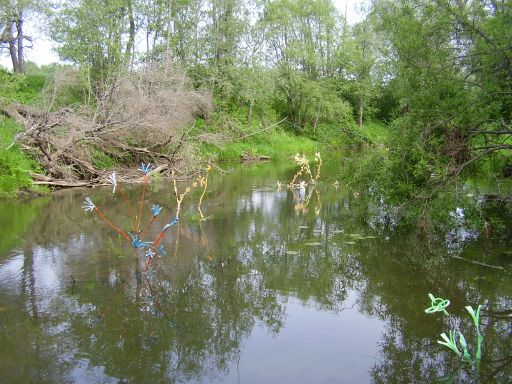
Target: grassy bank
276, 145
225, 135
376, 131
15, 165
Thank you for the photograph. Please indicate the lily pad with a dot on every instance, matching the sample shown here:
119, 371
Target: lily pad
292, 252
349, 242
313, 244
356, 236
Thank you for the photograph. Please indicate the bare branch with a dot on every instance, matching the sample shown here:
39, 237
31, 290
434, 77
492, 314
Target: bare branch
135, 116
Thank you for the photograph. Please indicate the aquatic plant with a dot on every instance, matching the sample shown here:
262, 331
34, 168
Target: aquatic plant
112, 180
138, 243
155, 210
466, 356
136, 236
439, 305
319, 165
88, 205
161, 251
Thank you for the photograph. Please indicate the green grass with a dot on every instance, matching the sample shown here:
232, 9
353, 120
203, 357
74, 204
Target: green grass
24, 89
102, 160
15, 166
276, 145
376, 131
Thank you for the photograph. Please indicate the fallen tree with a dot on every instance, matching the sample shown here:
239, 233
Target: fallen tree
141, 116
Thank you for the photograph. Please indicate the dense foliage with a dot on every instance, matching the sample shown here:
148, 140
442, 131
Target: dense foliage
437, 72
452, 78
15, 166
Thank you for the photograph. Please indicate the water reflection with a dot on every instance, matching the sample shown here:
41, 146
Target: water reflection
261, 292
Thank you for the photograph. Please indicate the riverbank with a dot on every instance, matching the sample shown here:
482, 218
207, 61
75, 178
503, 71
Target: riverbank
21, 176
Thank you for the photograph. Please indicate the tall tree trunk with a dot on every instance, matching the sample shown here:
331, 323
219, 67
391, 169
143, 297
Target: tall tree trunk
131, 38
249, 113
19, 30
169, 27
12, 47
147, 42
361, 110
317, 117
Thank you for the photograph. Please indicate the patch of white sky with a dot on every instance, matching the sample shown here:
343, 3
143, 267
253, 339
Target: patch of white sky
43, 49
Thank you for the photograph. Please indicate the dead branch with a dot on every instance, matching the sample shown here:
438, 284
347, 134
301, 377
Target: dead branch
135, 118
478, 263
258, 132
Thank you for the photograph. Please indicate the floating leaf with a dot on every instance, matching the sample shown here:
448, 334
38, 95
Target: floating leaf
356, 236
292, 252
349, 242
313, 244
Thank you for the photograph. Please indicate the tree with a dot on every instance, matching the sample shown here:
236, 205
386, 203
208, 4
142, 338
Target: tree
363, 62
302, 35
302, 38
13, 15
453, 80
98, 34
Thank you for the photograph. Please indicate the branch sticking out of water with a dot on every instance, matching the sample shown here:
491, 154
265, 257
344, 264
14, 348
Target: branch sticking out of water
135, 238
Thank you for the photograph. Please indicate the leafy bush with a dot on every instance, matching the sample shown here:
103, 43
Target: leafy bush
15, 167
23, 89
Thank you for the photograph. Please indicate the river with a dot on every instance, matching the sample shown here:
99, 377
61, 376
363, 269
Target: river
319, 286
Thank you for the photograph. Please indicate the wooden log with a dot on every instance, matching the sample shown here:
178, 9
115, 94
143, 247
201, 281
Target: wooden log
66, 184
247, 157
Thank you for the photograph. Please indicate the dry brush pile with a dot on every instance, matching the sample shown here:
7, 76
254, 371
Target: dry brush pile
141, 116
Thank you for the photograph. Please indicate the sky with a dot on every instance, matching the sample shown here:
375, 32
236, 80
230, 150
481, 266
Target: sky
43, 52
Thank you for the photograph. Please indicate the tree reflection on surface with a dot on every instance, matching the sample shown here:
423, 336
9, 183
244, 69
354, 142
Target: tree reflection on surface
261, 292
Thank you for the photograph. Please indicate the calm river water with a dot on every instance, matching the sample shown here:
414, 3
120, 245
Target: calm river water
316, 287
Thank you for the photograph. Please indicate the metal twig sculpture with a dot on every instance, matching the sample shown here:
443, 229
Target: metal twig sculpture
136, 236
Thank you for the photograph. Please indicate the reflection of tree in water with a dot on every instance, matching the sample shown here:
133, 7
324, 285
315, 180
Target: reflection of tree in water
411, 358
188, 317
15, 218
410, 353
180, 328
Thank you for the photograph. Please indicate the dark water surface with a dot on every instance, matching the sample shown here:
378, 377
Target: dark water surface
268, 290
